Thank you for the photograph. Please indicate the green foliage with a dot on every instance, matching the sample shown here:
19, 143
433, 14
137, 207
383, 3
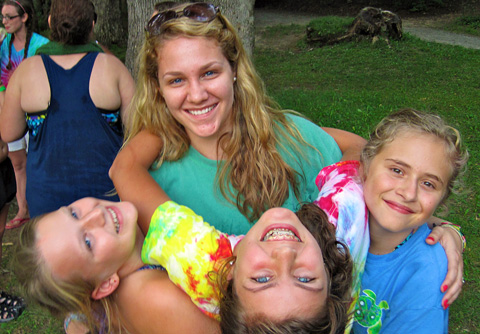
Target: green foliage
351, 86
419, 5
466, 25
41, 8
330, 25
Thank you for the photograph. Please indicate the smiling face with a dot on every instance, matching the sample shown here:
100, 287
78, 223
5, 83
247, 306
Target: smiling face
16, 23
404, 183
280, 263
90, 239
196, 81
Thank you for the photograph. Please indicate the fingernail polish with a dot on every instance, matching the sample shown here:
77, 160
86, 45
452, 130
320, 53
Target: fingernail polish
446, 304
431, 238
444, 288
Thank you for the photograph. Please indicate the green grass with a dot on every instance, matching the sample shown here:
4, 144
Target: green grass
331, 25
352, 86
466, 24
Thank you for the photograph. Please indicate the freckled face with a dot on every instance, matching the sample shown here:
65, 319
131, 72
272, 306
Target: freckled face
90, 238
279, 270
196, 81
406, 182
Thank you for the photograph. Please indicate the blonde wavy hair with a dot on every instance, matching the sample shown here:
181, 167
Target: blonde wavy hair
58, 297
422, 123
253, 175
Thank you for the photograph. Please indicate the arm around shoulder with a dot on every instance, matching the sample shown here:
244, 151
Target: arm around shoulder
133, 182
349, 143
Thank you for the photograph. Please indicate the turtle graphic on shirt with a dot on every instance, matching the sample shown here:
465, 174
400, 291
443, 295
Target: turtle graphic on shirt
367, 313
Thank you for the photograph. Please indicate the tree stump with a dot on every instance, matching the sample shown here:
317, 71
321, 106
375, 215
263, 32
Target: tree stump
370, 22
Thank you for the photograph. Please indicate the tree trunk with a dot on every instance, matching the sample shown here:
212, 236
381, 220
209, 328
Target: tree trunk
239, 12
111, 27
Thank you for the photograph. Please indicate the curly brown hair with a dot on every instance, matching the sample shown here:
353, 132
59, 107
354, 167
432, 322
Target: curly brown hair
332, 319
71, 22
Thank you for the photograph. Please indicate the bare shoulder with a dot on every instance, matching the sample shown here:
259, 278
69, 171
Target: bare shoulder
109, 61
30, 64
149, 303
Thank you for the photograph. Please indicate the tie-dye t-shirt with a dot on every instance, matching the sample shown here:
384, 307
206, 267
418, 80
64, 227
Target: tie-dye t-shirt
17, 56
341, 197
191, 250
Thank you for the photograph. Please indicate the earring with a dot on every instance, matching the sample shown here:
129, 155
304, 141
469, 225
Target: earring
234, 79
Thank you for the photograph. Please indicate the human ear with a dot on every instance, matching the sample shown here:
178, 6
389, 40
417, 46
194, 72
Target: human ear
231, 270
49, 25
362, 171
106, 288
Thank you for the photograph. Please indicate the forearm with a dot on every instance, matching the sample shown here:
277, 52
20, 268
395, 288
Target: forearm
133, 182
349, 143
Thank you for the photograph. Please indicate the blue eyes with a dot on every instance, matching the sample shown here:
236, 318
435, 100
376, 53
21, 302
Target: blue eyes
266, 279
263, 279
304, 279
88, 243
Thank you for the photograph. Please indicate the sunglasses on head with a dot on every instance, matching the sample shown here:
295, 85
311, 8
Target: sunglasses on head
200, 11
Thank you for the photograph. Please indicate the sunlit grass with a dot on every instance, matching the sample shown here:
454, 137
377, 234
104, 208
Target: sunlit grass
353, 85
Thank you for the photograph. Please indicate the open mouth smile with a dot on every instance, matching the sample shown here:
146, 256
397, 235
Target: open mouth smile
281, 234
115, 219
198, 112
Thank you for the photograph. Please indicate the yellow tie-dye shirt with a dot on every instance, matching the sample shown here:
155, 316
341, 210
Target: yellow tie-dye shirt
190, 250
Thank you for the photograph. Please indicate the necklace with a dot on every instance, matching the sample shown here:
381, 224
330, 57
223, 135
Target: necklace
406, 239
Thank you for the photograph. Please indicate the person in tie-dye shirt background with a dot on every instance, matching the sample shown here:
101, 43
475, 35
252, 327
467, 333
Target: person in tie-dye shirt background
20, 42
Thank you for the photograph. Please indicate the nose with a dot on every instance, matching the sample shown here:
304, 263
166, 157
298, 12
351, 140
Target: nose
285, 256
197, 92
408, 189
94, 218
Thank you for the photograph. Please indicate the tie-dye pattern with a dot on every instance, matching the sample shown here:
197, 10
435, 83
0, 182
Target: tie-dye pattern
33, 122
16, 57
190, 249
341, 197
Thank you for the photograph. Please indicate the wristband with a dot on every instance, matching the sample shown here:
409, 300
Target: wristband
457, 229
2, 88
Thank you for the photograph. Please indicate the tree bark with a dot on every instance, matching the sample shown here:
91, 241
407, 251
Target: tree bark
239, 12
111, 27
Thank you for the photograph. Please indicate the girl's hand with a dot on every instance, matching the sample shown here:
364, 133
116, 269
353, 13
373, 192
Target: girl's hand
452, 245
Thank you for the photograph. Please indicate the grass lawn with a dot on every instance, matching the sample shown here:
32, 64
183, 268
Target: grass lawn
352, 86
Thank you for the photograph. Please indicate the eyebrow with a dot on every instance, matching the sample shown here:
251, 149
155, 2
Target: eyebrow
203, 68
271, 285
433, 176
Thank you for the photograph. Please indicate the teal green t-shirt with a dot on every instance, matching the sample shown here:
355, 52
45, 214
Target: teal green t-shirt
190, 181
